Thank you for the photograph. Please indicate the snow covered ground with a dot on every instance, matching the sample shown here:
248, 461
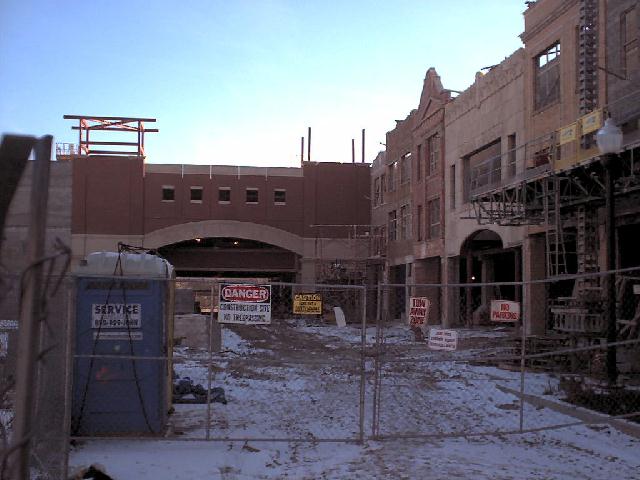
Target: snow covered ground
299, 384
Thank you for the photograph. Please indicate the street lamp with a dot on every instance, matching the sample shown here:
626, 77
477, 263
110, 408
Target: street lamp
609, 140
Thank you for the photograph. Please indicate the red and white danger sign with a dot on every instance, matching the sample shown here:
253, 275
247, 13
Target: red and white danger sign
505, 311
418, 311
247, 304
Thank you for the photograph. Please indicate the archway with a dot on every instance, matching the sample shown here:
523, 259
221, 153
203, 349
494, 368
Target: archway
484, 259
225, 229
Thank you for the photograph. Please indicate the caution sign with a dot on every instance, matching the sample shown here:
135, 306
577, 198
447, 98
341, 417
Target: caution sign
418, 311
505, 311
307, 304
245, 304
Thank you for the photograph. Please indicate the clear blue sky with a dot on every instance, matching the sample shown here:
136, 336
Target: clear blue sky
237, 81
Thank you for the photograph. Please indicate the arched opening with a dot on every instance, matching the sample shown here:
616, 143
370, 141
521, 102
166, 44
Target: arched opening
202, 263
231, 257
483, 259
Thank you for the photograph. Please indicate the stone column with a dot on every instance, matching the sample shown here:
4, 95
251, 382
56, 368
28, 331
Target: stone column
535, 306
450, 295
307, 270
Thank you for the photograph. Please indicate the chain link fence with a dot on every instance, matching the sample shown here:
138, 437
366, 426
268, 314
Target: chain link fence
483, 374
49, 435
316, 371
282, 378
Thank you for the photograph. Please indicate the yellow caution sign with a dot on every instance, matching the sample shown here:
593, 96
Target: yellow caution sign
591, 121
569, 133
307, 304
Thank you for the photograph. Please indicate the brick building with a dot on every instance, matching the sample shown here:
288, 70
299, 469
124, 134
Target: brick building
291, 224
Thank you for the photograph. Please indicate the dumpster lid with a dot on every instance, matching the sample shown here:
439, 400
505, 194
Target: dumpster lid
131, 265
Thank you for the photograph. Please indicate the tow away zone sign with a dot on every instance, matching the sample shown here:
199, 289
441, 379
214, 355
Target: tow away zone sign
245, 304
418, 311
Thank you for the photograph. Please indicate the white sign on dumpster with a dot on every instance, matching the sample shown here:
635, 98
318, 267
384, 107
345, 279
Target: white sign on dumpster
440, 339
505, 311
116, 315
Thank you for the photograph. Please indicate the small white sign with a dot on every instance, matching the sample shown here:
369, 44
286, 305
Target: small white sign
418, 311
440, 339
636, 289
245, 304
4, 344
118, 336
116, 315
505, 311
8, 324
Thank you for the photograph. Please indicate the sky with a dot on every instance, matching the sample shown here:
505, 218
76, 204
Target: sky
238, 82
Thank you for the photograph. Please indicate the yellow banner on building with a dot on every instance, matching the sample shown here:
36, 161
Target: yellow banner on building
307, 304
591, 121
568, 134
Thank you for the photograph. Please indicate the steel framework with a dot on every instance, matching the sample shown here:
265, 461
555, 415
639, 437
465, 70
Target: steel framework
89, 123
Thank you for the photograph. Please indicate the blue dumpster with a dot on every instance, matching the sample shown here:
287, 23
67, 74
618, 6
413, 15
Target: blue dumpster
123, 345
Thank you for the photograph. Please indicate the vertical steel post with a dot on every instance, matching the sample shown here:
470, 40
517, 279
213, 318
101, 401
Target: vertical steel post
31, 314
69, 362
523, 335
363, 362
376, 370
209, 362
610, 226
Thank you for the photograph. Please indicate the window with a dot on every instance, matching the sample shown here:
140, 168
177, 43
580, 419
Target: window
168, 193
433, 146
391, 177
393, 220
452, 187
542, 157
405, 168
433, 153
280, 196
224, 195
434, 218
511, 155
377, 192
547, 77
405, 222
483, 167
419, 163
196, 195
252, 195
383, 187
419, 223
629, 41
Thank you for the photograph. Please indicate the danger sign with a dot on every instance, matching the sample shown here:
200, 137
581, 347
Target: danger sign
247, 304
505, 311
418, 311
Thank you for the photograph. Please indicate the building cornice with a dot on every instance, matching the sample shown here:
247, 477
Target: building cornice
564, 7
